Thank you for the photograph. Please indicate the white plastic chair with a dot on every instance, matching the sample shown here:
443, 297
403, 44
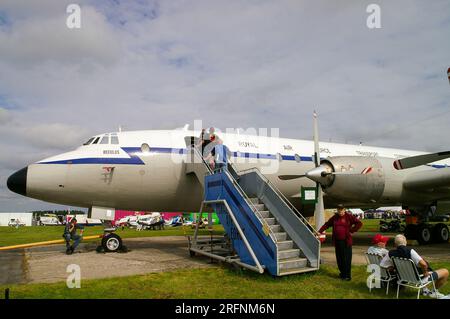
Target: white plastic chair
409, 276
385, 276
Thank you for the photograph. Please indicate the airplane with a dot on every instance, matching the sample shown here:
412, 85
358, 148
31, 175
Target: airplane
146, 171
82, 219
49, 220
149, 221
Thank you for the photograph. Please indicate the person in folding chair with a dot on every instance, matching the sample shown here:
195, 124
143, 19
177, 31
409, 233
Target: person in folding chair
439, 276
379, 245
375, 254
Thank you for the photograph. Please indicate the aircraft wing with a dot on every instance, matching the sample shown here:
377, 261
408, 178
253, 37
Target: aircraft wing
429, 179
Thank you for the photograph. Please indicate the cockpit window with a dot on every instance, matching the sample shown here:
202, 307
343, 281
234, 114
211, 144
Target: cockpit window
89, 141
114, 139
96, 140
105, 139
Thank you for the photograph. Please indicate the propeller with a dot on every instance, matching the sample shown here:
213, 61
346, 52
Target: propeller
322, 174
316, 174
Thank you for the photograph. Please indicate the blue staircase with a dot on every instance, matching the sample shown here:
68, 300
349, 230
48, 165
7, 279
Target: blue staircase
263, 230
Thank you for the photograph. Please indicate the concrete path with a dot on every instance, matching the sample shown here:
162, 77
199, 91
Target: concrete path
49, 263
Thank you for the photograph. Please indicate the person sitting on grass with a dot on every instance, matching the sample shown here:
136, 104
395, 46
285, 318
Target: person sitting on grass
439, 276
379, 246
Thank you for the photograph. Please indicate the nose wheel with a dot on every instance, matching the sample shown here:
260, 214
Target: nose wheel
111, 242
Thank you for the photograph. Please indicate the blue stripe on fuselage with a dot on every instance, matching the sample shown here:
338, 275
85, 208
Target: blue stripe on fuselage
135, 152
134, 159
438, 166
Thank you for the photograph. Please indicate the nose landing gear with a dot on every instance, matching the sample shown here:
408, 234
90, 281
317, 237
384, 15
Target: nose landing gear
111, 242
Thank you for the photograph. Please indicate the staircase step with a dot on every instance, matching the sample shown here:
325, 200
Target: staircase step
293, 271
289, 253
275, 228
270, 220
265, 213
285, 245
280, 236
254, 200
260, 207
292, 263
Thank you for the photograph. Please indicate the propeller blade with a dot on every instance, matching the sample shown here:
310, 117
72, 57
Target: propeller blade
289, 177
319, 211
316, 140
344, 173
414, 161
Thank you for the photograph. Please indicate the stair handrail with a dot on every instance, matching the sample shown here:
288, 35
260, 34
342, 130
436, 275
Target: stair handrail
197, 151
239, 189
241, 232
277, 190
249, 202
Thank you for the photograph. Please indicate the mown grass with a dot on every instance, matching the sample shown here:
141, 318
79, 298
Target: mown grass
370, 225
24, 235
217, 282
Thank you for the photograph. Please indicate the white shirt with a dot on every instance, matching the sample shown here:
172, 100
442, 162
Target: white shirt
377, 251
386, 262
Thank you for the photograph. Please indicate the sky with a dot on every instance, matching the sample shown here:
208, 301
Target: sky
144, 64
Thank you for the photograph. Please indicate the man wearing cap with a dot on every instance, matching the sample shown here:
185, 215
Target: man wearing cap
344, 224
379, 247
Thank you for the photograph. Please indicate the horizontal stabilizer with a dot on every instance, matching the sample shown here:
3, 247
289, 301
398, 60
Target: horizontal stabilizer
414, 161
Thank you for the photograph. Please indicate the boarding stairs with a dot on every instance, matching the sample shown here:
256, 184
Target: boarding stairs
263, 229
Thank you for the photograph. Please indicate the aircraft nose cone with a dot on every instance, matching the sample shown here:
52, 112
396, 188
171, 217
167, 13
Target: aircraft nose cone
17, 182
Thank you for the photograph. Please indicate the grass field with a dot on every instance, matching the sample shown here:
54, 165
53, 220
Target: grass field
11, 236
218, 282
214, 282
370, 225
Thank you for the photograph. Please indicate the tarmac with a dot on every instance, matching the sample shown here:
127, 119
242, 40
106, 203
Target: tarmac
147, 255
48, 264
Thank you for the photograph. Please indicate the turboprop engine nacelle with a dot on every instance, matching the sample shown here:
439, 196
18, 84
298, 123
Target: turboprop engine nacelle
352, 178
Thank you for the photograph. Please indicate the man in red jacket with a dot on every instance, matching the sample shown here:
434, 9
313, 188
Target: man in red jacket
344, 224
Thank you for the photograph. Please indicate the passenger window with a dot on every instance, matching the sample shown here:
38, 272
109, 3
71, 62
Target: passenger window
105, 139
89, 141
96, 140
114, 140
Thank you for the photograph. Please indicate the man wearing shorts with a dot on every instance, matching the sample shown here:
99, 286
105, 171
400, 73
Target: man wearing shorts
439, 276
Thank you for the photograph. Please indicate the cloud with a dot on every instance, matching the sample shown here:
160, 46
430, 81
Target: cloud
38, 40
39, 136
4, 116
161, 64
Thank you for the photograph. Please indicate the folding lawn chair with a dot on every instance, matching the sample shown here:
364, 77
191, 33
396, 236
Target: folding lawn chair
408, 275
385, 276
